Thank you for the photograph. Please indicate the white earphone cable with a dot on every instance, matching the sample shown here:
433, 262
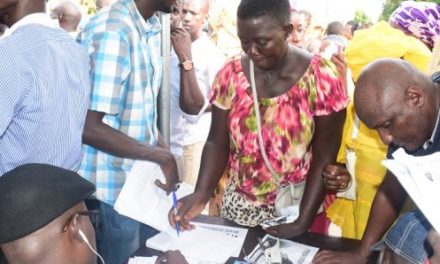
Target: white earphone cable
81, 233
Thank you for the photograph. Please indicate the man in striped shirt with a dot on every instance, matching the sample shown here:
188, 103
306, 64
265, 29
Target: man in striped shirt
44, 89
123, 42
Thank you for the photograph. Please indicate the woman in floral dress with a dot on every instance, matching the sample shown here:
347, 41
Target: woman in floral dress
302, 105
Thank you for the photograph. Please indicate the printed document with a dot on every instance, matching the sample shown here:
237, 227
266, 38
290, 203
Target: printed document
207, 243
420, 176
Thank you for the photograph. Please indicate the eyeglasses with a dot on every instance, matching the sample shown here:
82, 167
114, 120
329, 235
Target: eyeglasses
92, 214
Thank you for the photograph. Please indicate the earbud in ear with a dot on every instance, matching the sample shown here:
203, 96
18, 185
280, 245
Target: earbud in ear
83, 236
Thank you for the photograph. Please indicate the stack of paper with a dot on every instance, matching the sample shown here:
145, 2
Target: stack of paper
207, 243
420, 176
142, 200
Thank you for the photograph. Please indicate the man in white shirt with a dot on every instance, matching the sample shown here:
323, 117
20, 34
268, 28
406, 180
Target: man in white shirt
195, 61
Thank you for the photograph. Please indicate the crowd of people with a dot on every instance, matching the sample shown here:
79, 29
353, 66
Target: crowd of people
264, 106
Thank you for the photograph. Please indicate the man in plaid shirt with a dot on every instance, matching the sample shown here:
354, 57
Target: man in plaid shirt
123, 42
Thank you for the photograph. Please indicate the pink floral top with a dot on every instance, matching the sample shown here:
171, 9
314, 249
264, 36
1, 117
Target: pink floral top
287, 125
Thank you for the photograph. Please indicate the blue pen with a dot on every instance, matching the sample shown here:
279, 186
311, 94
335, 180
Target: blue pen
175, 211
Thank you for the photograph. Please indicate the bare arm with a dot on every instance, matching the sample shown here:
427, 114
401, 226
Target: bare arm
105, 138
326, 141
191, 99
384, 211
214, 160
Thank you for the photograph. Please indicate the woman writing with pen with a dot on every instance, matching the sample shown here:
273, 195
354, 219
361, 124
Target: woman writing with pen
302, 104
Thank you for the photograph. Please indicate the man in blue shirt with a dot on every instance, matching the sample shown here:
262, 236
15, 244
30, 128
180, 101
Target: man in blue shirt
44, 89
123, 42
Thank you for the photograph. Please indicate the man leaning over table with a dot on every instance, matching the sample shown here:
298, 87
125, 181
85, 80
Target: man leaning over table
402, 103
123, 42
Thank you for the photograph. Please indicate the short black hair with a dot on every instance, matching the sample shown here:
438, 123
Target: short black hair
279, 10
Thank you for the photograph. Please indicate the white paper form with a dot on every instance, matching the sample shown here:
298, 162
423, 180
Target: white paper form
142, 200
207, 243
420, 176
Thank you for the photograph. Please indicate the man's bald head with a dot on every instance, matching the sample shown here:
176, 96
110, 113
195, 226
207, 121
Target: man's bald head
392, 92
383, 81
69, 15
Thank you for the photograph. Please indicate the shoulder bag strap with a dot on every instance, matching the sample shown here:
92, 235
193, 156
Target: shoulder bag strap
257, 115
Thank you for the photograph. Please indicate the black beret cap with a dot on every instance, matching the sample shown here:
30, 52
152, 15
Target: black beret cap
33, 195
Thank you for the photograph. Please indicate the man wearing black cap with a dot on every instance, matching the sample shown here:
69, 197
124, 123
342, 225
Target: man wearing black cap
43, 217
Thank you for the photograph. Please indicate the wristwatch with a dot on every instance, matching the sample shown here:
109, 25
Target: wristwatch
187, 65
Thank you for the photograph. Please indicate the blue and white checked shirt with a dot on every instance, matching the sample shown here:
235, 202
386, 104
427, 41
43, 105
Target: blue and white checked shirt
44, 95
126, 74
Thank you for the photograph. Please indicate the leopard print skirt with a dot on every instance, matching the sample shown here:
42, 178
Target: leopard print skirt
240, 210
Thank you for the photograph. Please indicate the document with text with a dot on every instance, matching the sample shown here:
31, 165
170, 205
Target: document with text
207, 243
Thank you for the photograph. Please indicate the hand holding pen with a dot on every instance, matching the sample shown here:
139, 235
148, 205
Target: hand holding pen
187, 207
